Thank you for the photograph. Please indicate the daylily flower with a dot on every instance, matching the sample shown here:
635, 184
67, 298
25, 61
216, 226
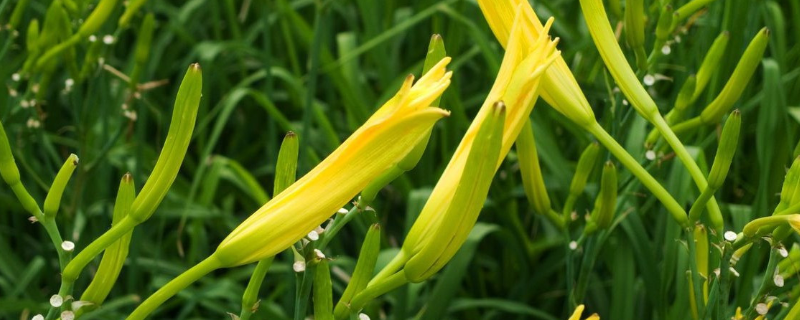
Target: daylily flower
579, 311
386, 138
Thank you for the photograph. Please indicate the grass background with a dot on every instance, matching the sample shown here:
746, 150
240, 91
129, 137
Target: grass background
320, 68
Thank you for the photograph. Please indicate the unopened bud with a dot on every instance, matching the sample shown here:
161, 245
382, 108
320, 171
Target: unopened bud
606, 202
664, 26
725, 151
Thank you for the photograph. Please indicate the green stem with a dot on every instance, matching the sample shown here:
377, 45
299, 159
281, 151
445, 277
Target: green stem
569, 204
250, 296
373, 291
714, 213
74, 268
699, 204
173, 287
767, 283
697, 286
639, 172
338, 223
687, 125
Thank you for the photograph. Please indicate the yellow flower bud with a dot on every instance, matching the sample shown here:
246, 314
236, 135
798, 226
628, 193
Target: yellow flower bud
390, 134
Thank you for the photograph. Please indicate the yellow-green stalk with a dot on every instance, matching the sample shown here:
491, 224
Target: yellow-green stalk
130, 10
595, 14
323, 291
10, 174
365, 266
53, 199
91, 25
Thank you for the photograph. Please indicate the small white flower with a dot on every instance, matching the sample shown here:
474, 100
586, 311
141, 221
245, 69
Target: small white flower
35, 88
762, 308
24, 104
666, 50
12, 92
319, 254
649, 80
650, 155
15, 77
130, 114
67, 315
778, 279
56, 301
92, 38
299, 266
363, 316
38, 317
624, 102
313, 235
677, 39
69, 83
68, 246
108, 39
573, 245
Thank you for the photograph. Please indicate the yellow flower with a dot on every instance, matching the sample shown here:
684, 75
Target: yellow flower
559, 87
577, 314
515, 90
379, 144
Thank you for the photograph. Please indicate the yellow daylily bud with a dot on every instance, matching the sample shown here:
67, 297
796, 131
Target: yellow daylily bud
443, 242
379, 144
558, 86
516, 86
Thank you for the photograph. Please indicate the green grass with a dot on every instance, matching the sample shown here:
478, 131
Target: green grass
320, 68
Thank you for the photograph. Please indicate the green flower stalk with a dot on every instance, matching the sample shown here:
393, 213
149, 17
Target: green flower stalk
531, 172
561, 90
16, 15
710, 63
53, 199
323, 291
166, 170
634, 30
586, 164
365, 266
606, 203
386, 138
664, 26
115, 255
91, 25
10, 173
595, 14
722, 163
758, 226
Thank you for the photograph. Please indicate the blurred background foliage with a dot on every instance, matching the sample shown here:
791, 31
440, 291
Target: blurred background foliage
319, 68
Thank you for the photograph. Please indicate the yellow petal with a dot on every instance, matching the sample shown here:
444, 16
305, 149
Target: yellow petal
577, 314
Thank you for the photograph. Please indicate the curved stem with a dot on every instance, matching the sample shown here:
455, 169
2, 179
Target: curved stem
74, 268
373, 291
714, 213
173, 287
640, 173
766, 283
699, 204
250, 296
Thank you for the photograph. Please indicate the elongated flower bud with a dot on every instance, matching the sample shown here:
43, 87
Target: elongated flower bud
757, 226
741, 76
131, 9
32, 37
634, 30
586, 164
436, 52
790, 185
53, 199
323, 292
178, 137
143, 44
286, 167
710, 63
606, 203
365, 266
10, 173
701, 251
388, 136
115, 255
725, 151
664, 26
473, 187
689, 8
529, 168
91, 25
